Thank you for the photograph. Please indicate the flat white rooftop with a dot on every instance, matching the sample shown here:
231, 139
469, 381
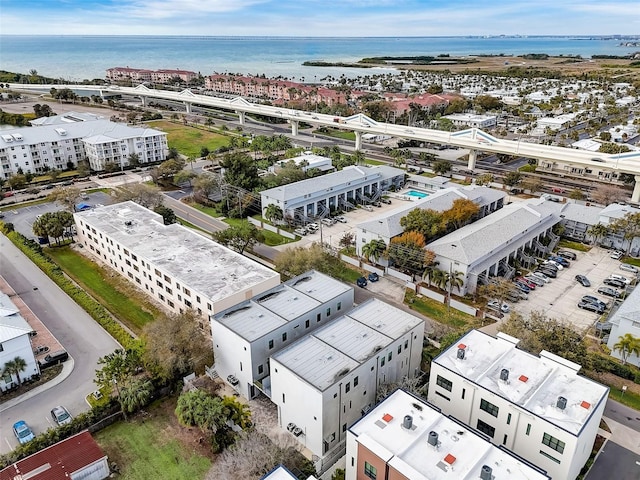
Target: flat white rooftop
191, 259
534, 383
275, 307
461, 453
330, 352
12, 324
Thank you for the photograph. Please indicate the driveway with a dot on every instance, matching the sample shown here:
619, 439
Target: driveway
559, 298
80, 335
615, 461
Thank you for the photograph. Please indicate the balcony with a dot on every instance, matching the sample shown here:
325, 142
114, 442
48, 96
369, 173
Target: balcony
264, 385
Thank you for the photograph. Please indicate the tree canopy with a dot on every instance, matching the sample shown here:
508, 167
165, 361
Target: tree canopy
239, 237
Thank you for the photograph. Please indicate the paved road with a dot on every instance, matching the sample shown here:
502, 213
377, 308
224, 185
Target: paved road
81, 336
622, 414
615, 462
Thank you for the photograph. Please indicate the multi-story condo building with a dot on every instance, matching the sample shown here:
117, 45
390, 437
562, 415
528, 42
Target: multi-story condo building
60, 146
175, 266
406, 438
247, 334
14, 342
327, 380
144, 75
537, 407
319, 195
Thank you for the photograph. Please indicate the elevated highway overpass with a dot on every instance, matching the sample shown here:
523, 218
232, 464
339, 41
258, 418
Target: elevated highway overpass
551, 159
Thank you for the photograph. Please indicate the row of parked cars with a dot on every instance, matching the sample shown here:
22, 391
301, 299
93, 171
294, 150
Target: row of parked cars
23, 432
314, 227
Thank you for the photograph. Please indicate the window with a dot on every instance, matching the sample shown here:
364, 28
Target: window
545, 454
328, 312
260, 369
318, 317
347, 387
270, 344
509, 419
284, 337
486, 428
306, 324
390, 356
370, 471
504, 439
355, 382
444, 383
382, 361
283, 398
339, 306
186, 291
443, 396
464, 390
167, 279
406, 344
490, 408
528, 429
344, 427
553, 442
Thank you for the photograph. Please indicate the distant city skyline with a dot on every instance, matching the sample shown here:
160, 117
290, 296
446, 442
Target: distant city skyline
322, 18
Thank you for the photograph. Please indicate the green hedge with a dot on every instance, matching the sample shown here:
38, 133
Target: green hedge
600, 363
100, 314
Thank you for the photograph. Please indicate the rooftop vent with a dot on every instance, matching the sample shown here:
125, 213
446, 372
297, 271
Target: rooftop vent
561, 403
523, 378
7, 138
17, 137
433, 438
61, 131
504, 375
585, 405
387, 417
486, 472
460, 354
407, 423
450, 459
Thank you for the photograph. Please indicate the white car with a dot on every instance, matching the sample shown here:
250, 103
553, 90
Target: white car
622, 278
495, 305
540, 275
616, 254
341, 219
628, 268
551, 262
313, 227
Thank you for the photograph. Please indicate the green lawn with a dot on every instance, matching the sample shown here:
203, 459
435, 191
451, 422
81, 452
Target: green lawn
337, 134
438, 311
630, 399
189, 140
631, 261
581, 247
149, 448
368, 161
211, 211
106, 287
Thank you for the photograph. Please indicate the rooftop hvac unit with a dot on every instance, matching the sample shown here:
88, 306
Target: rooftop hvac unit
407, 422
461, 353
561, 403
504, 374
433, 438
486, 472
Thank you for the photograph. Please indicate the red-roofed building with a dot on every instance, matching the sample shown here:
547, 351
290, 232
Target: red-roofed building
143, 75
76, 458
400, 104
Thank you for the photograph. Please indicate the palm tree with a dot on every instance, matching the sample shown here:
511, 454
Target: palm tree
429, 272
273, 213
598, 232
239, 412
455, 279
439, 278
15, 367
135, 395
373, 250
627, 345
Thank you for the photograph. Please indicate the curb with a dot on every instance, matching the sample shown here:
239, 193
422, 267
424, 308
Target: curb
67, 369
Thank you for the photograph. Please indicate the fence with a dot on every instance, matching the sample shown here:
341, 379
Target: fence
271, 228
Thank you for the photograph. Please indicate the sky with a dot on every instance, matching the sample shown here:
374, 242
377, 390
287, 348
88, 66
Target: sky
321, 18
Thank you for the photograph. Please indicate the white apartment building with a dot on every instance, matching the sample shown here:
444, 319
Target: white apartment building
327, 380
247, 334
406, 438
387, 226
14, 342
472, 120
626, 319
537, 407
175, 266
317, 196
62, 145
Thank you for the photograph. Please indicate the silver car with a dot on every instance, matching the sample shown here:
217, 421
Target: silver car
61, 415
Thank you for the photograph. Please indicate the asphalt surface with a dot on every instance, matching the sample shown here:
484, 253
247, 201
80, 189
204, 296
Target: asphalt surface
615, 462
624, 415
80, 335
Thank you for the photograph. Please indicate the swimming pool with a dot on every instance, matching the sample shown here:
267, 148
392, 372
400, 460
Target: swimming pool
414, 193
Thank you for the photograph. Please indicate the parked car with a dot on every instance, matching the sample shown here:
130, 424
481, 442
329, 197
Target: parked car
553, 263
300, 231
40, 349
541, 276
621, 278
522, 287
60, 415
592, 299
616, 254
568, 255
593, 307
514, 295
373, 277
386, 201
312, 227
377, 204
528, 283
341, 219
328, 221
53, 359
547, 272
604, 327
612, 282
495, 305
368, 208
582, 280
628, 268
609, 292
560, 260
23, 433
538, 281
361, 282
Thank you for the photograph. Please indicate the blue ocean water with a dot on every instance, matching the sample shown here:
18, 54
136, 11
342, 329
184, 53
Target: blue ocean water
80, 57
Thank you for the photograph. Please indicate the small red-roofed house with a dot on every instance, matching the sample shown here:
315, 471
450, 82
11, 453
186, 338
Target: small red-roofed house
77, 457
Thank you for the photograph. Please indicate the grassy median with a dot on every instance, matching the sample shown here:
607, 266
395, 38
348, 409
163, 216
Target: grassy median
187, 139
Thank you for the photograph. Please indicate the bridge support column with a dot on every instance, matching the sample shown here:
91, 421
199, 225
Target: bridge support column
358, 140
294, 127
187, 106
635, 196
241, 118
144, 101
473, 154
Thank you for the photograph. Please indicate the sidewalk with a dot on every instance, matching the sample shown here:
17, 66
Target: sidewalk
624, 436
67, 368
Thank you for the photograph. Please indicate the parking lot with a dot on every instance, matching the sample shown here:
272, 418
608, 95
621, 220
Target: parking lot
559, 298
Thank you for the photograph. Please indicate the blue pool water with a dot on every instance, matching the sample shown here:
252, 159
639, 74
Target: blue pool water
414, 193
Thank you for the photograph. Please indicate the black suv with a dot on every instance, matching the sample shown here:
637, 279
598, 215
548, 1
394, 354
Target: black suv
53, 358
